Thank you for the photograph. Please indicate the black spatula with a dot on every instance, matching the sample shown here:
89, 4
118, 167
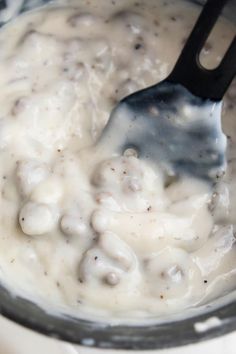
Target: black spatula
177, 123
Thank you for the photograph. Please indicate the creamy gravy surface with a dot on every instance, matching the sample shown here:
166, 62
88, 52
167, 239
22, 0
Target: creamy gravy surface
103, 234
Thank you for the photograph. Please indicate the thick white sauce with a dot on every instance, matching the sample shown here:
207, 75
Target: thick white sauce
86, 234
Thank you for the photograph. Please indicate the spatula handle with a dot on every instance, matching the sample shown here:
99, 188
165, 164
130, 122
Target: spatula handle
188, 70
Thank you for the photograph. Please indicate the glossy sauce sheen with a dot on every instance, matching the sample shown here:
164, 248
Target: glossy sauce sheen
101, 235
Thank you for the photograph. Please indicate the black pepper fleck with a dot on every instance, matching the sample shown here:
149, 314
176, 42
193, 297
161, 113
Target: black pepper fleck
137, 46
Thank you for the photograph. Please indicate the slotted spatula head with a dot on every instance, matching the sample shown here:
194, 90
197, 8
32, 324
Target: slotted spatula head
171, 127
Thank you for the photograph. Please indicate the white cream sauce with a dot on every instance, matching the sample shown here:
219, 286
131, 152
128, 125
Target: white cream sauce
89, 234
